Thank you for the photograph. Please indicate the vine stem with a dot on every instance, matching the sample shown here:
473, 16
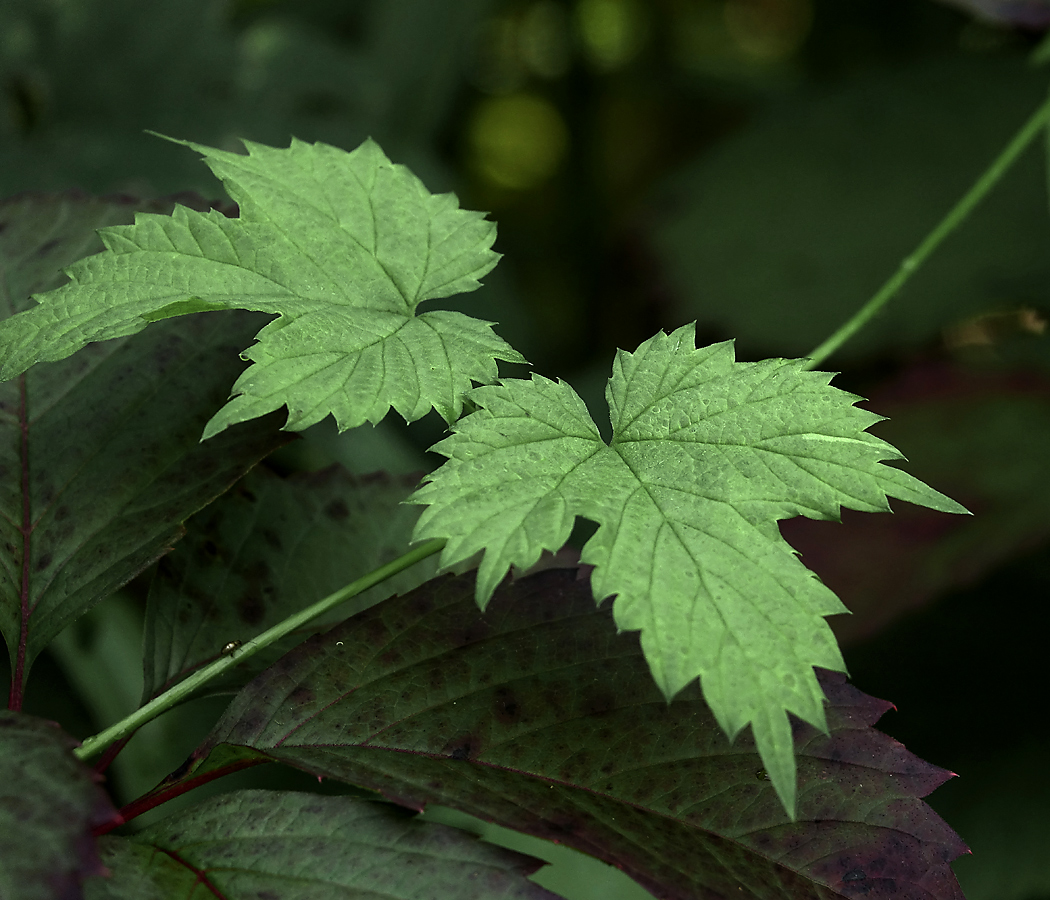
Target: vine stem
181, 691
948, 224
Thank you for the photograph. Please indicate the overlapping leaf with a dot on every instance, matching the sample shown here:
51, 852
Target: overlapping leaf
257, 844
267, 549
706, 455
537, 715
343, 246
48, 805
99, 455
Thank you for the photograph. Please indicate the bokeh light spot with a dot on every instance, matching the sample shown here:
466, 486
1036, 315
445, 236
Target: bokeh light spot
613, 31
517, 141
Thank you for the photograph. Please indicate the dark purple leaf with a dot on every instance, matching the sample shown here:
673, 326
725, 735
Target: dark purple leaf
49, 804
536, 715
99, 455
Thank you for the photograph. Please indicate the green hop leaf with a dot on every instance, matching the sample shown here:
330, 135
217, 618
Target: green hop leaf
342, 246
707, 455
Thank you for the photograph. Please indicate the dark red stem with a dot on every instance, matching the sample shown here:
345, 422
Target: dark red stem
164, 793
106, 759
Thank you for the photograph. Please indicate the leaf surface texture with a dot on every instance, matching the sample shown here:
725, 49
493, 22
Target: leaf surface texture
707, 454
537, 715
257, 844
341, 246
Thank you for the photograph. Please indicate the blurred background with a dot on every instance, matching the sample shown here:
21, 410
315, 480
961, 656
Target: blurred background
758, 166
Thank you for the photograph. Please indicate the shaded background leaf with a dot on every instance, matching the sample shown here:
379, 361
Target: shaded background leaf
113, 464
537, 715
268, 548
776, 249
296, 846
980, 432
49, 803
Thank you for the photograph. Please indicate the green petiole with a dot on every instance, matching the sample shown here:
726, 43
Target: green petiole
97, 743
955, 217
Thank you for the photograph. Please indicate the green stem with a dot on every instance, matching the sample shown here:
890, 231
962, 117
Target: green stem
182, 690
947, 225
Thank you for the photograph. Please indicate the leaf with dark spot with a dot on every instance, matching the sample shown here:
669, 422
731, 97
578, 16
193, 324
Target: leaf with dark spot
408, 701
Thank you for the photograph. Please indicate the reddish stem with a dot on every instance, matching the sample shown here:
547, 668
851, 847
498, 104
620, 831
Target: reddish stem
202, 878
164, 793
106, 759
18, 675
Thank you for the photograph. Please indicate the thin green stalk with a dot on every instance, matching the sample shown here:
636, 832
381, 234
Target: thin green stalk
955, 217
97, 743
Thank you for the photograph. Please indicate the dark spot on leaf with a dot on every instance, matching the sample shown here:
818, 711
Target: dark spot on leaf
337, 510
3, 225
421, 603
272, 538
251, 609
854, 875
301, 696
211, 549
43, 562
508, 711
597, 702
476, 631
268, 895
251, 723
62, 512
463, 748
249, 496
45, 248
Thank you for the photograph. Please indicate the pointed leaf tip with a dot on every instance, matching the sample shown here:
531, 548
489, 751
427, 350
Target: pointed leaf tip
707, 455
538, 715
